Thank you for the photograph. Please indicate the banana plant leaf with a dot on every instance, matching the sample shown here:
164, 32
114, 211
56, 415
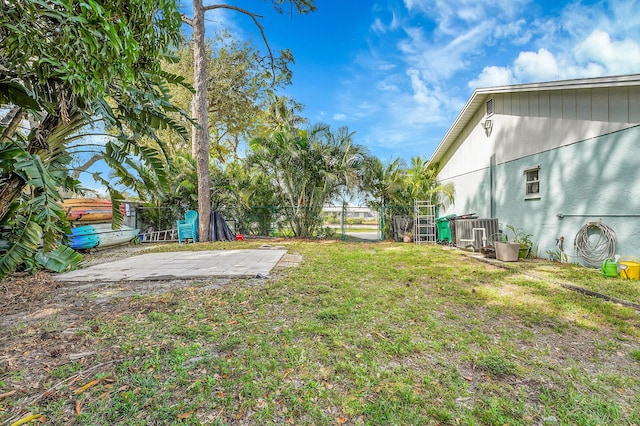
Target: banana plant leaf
61, 259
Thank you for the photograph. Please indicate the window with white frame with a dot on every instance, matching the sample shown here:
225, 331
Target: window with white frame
532, 182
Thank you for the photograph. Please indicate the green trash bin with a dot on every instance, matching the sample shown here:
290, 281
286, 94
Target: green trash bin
444, 230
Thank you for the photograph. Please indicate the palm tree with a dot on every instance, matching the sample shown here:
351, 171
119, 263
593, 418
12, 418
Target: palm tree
384, 182
282, 113
422, 184
307, 169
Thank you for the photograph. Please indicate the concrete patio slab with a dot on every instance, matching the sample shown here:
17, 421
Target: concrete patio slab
180, 265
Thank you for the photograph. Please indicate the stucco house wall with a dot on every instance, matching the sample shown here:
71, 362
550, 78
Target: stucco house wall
585, 141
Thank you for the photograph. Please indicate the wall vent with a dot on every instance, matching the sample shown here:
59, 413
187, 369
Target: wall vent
489, 107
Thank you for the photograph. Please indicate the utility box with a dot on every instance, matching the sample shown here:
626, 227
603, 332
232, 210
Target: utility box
475, 233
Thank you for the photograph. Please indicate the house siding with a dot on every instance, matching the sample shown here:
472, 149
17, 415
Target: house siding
473, 193
597, 179
587, 144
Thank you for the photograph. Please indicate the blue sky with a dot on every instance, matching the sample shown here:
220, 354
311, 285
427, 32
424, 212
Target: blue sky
399, 72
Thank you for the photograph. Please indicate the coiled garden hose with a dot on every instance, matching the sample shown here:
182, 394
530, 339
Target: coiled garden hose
595, 250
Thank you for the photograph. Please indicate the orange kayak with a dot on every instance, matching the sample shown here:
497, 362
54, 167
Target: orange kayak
87, 209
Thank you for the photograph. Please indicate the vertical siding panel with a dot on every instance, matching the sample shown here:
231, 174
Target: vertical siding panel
600, 105
515, 104
534, 110
524, 104
583, 102
555, 104
634, 104
569, 115
507, 104
569, 110
498, 104
544, 103
619, 105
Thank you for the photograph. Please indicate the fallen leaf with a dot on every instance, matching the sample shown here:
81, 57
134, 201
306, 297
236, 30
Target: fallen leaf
86, 386
380, 335
184, 416
287, 372
341, 420
28, 418
7, 394
77, 407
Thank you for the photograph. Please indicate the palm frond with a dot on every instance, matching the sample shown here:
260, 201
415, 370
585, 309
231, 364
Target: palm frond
34, 172
116, 201
12, 92
22, 246
61, 259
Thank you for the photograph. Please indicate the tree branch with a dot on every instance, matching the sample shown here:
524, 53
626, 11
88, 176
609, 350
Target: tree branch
187, 20
254, 17
14, 118
95, 158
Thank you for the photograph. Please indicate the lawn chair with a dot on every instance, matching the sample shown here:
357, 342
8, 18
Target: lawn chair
188, 228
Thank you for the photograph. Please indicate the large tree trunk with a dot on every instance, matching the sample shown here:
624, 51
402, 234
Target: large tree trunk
200, 138
10, 191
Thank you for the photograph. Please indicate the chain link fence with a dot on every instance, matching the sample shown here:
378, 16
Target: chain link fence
347, 223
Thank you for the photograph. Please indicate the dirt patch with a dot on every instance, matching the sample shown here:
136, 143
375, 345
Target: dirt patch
48, 328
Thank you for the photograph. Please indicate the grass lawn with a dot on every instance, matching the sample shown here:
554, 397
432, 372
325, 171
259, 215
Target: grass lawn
353, 229
380, 333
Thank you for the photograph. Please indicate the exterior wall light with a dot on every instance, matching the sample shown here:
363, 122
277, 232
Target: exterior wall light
487, 126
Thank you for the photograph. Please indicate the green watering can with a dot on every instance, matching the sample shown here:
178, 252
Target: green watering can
609, 268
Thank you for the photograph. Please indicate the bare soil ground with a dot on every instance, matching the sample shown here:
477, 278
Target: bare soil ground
43, 325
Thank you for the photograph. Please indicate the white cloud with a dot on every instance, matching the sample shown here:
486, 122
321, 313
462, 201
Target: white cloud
421, 94
517, 32
492, 76
454, 16
442, 60
536, 66
387, 85
616, 57
378, 26
366, 109
413, 4
596, 55
339, 117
